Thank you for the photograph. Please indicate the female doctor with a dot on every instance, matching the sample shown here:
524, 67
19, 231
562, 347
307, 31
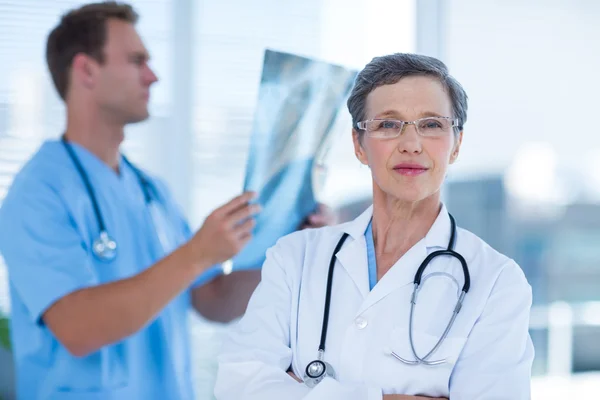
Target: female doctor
399, 303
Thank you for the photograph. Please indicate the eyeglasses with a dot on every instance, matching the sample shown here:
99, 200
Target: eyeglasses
392, 128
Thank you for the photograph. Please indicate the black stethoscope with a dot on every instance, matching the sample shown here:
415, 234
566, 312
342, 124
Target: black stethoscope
318, 369
105, 247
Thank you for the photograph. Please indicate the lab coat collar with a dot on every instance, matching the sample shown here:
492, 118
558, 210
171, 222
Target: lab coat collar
439, 233
353, 257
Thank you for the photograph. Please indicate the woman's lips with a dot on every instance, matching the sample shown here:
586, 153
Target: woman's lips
410, 169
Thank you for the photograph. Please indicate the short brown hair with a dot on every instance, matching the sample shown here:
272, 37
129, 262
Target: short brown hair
82, 30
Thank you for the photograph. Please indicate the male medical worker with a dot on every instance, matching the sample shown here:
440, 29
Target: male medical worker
100, 259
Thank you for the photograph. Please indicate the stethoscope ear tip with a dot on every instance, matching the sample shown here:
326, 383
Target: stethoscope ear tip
387, 351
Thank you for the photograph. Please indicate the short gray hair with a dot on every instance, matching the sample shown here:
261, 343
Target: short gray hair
387, 70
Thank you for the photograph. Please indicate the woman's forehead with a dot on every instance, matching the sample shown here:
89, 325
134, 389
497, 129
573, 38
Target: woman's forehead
410, 98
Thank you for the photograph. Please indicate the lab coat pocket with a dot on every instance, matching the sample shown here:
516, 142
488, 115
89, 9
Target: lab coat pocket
410, 378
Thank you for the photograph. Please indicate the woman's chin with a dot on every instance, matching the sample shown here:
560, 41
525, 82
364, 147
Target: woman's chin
407, 195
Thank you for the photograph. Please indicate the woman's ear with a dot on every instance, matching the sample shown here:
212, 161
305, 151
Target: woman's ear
358, 148
456, 149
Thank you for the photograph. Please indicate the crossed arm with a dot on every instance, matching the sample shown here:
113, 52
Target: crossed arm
385, 396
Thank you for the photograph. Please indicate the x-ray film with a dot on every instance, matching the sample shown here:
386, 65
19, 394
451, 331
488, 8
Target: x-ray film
299, 99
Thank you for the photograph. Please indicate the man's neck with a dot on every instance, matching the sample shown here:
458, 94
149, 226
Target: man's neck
99, 137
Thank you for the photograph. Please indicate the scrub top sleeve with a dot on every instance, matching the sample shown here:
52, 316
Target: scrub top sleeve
165, 194
45, 255
257, 354
497, 358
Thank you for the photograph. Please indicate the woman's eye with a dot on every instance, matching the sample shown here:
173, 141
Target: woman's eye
388, 125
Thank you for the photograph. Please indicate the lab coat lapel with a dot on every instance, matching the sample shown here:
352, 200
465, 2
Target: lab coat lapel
400, 275
353, 258
353, 255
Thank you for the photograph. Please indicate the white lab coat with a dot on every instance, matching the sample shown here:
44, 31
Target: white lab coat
488, 350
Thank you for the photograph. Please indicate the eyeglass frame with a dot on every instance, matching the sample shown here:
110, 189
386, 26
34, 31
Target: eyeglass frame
455, 124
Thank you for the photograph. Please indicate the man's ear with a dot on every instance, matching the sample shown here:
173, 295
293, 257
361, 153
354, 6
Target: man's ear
83, 70
359, 151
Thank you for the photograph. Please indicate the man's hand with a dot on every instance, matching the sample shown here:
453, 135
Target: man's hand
225, 231
323, 216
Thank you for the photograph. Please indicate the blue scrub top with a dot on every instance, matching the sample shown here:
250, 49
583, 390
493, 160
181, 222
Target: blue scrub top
47, 226
371, 259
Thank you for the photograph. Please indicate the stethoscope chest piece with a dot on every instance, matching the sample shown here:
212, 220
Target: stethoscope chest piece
316, 371
105, 247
